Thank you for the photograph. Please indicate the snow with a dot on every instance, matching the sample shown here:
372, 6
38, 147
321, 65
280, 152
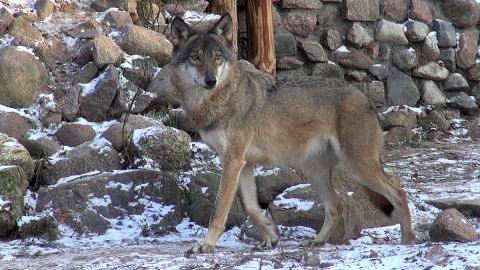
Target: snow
342, 48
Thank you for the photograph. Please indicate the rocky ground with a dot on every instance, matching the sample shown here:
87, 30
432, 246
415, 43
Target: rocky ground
429, 171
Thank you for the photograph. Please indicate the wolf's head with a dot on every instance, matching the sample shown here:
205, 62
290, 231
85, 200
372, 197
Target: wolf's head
203, 58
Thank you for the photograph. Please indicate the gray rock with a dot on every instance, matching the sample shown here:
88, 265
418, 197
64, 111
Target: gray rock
448, 57
98, 155
422, 11
73, 134
431, 94
405, 59
106, 52
398, 135
429, 50
203, 191
131, 99
455, 82
375, 91
162, 86
14, 125
431, 71
137, 40
358, 75
25, 32
445, 33
39, 146
400, 118
44, 9
99, 97
389, 32
401, 90
379, 71
359, 36
288, 62
30, 75
273, 181
394, 10
310, 212
118, 135
451, 225
474, 72
140, 70
302, 4
6, 18
474, 134
85, 74
121, 18
464, 103
124, 194
71, 105
329, 69
300, 23
313, 51
285, 44
416, 31
13, 186
462, 13
466, 206
361, 10
352, 58
332, 39
15, 154
467, 49
438, 118
166, 148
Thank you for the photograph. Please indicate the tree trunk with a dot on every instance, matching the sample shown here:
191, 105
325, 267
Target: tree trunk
260, 44
221, 7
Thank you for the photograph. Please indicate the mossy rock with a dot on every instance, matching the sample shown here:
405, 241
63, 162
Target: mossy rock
13, 185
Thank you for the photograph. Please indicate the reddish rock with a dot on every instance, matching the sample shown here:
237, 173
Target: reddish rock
422, 11
394, 10
299, 23
451, 225
467, 49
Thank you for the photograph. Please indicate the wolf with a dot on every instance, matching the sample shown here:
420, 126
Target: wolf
248, 117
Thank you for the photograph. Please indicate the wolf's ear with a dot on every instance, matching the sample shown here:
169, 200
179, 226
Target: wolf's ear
223, 27
180, 31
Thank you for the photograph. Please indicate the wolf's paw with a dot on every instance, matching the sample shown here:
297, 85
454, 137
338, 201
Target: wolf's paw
200, 248
312, 243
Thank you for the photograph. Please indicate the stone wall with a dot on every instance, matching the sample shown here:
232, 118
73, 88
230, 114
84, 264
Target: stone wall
400, 52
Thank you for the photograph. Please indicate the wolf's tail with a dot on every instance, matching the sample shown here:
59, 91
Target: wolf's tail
380, 201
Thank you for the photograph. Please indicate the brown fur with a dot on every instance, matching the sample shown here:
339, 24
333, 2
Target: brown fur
249, 117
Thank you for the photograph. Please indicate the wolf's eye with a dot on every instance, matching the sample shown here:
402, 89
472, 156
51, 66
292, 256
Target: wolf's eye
218, 55
194, 57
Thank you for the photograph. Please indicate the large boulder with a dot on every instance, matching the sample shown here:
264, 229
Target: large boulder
162, 86
138, 40
98, 155
203, 189
95, 203
13, 153
301, 206
31, 77
99, 94
161, 147
13, 185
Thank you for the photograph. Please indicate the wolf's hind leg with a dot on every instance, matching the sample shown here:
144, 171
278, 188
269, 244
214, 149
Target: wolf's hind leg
248, 188
319, 176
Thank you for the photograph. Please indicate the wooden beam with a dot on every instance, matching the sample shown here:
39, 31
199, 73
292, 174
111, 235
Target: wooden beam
260, 44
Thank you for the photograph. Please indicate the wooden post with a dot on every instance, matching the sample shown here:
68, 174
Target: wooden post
260, 44
221, 7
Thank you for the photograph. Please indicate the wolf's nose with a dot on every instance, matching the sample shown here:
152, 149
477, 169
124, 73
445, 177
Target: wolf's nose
210, 81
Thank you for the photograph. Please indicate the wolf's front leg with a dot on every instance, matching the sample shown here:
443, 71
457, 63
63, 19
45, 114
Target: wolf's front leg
225, 196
